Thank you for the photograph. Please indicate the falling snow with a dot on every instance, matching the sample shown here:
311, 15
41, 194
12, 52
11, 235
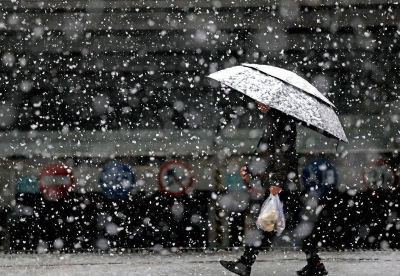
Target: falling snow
114, 136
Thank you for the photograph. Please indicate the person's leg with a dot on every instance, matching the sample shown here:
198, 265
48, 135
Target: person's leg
308, 232
311, 251
262, 239
242, 266
314, 265
249, 255
251, 251
255, 239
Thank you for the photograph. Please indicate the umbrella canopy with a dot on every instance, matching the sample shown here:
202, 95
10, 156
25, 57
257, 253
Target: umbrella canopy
284, 91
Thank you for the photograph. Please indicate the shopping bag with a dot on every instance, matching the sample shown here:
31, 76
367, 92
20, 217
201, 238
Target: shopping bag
271, 217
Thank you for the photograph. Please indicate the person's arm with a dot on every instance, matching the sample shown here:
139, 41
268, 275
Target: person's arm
285, 157
245, 175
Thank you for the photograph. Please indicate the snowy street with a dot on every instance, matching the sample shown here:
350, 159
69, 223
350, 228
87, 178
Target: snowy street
365, 263
160, 137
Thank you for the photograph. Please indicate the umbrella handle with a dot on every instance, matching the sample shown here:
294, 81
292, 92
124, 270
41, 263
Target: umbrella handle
259, 142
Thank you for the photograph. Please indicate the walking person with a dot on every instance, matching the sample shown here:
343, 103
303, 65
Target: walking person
277, 145
286, 99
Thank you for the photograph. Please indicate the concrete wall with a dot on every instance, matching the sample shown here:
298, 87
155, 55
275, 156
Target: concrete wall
87, 153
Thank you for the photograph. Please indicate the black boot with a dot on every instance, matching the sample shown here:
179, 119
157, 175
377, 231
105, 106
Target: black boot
313, 270
238, 267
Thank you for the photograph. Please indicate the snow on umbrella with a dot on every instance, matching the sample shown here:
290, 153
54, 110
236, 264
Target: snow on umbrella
284, 91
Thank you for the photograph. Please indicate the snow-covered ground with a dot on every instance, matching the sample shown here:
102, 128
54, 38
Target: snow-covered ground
361, 263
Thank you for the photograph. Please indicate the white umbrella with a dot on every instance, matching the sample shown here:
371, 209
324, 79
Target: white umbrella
284, 91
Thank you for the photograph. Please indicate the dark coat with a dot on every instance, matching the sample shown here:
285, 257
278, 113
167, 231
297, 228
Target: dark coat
278, 148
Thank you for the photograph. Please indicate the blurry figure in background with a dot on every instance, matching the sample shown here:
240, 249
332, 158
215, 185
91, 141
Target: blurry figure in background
278, 146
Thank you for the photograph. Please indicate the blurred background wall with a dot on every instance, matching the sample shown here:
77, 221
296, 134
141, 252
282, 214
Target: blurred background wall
89, 82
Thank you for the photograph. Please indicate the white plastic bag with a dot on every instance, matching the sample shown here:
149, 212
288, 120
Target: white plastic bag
271, 217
